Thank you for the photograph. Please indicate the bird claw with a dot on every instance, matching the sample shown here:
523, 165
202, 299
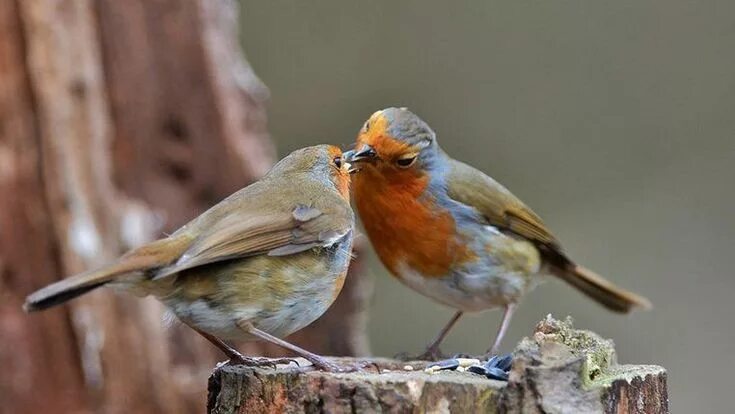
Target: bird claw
282, 361
325, 365
361, 365
261, 362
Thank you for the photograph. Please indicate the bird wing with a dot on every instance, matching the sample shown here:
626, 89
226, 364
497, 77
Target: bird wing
275, 233
499, 206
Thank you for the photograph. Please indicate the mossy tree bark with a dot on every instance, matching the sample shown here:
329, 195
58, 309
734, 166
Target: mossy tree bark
119, 120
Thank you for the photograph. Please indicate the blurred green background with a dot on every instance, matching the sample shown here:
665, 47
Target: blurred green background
615, 121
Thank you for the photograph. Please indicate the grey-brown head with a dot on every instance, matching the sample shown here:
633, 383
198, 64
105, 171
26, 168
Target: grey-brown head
395, 138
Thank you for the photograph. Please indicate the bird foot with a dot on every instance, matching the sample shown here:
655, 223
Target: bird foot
261, 361
324, 364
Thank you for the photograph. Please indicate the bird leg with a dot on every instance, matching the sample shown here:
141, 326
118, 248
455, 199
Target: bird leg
507, 315
318, 361
236, 358
433, 352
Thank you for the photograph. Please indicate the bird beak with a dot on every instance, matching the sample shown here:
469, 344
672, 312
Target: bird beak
362, 154
350, 167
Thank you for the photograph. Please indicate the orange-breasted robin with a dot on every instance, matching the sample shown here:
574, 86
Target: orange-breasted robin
451, 232
263, 263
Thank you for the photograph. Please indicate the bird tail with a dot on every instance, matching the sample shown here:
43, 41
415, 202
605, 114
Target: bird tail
601, 290
147, 257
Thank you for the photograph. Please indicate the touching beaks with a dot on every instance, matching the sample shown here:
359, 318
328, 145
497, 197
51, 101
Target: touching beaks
364, 153
350, 167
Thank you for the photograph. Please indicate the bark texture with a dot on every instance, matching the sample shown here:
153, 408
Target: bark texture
557, 370
120, 120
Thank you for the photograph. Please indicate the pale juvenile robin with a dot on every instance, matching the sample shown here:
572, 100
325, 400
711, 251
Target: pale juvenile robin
451, 232
260, 265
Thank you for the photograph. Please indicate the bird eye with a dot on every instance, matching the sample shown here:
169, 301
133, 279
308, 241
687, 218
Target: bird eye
337, 162
366, 127
406, 162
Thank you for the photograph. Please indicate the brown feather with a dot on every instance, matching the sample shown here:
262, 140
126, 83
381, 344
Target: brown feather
503, 210
302, 199
602, 291
499, 206
242, 235
147, 257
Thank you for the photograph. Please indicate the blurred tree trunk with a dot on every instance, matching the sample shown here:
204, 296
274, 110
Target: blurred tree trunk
119, 120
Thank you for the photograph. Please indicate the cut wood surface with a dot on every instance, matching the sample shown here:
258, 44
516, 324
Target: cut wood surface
556, 370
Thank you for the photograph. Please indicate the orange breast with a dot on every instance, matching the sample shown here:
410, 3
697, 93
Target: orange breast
404, 226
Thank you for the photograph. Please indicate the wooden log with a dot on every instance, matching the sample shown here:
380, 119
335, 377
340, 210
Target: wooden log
556, 370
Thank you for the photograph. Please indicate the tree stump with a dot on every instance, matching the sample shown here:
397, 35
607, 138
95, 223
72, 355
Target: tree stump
557, 370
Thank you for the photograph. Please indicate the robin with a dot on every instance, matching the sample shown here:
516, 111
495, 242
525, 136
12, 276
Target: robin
260, 265
454, 234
